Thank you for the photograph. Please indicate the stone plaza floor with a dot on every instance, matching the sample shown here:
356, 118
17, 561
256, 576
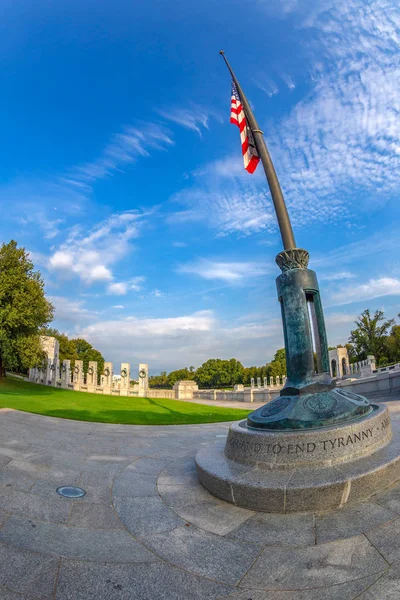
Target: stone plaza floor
147, 530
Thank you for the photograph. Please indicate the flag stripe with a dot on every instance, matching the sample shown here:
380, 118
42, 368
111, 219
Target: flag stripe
238, 117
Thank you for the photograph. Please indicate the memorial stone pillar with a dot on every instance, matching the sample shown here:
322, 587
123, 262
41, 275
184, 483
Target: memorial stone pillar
143, 380
48, 371
107, 377
125, 378
259, 382
252, 382
66, 373
91, 377
55, 372
265, 382
78, 374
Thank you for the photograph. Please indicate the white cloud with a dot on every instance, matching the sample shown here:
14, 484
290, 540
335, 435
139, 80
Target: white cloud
157, 293
118, 306
121, 288
374, 288
228, 207
338, 326
336, 276
195, 118
118, 288
342, 140
71, 311
266, 84
48, 203
124, 149
90, 254
231, 272
345, 133
170, 343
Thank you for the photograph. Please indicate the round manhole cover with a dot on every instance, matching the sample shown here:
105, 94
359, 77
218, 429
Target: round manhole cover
70, 491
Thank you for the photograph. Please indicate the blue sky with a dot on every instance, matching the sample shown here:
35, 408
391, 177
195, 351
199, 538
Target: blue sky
123, 178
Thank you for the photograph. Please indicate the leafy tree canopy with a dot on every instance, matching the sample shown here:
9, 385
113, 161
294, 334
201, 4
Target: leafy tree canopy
217, 373
24, 309
369, 336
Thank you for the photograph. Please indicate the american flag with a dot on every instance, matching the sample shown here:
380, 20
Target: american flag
249, 150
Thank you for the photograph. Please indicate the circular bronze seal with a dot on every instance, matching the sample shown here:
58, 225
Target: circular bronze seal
320, 404
275, 407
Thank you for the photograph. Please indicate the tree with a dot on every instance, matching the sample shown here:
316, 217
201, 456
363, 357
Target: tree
369, 337
24, 309
85, 352
178, 375
217, 373
158, 381
277, 367
392, 345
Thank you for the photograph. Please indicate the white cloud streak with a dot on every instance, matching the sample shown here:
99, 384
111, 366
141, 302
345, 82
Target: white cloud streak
195, 118
124, 149
89, 256
167, 343
340, 142
123, 287
231, 272
374, 288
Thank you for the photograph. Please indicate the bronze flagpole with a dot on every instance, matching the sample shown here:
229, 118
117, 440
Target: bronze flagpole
276, 192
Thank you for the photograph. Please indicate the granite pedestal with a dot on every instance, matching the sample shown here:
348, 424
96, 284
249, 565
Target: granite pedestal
302, 470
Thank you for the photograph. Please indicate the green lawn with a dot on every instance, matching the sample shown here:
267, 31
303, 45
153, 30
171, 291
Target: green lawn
53, 402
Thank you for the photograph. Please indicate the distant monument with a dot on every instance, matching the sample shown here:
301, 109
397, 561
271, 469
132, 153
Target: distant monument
56, 375
282, 457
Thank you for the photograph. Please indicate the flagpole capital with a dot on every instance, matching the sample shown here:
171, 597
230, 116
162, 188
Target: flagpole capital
222, 52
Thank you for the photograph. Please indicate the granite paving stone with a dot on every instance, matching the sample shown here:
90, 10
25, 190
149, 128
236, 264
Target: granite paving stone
180, 496
23, 572
148, 530
94, 516
215, 516
386, 587
4, 460
148, 465
4, 515
180, 472
52, 508
96, 494
342, 591
154, 581
74, 542
386, 539
144, 515
314, 566
390, 498
204, 553
275, 529
6, 594
350, 521
16, 480
131, 483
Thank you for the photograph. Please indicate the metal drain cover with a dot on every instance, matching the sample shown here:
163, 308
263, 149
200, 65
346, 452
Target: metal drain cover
70, 491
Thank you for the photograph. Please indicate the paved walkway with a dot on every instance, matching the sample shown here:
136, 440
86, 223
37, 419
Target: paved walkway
146, 529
